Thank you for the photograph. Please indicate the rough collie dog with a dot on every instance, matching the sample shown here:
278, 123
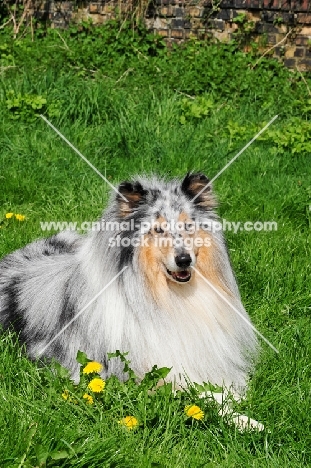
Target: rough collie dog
176, 304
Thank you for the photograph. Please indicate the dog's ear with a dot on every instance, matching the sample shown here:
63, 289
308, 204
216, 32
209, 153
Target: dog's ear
130, 196
198, 189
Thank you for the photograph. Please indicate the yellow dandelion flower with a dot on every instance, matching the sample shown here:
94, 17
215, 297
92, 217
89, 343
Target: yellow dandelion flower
92, 367
130, 422
97, 385
20, 217
66, 395
193, 411
9, 215
88, 398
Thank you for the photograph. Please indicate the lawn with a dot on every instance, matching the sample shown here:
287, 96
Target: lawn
132, 106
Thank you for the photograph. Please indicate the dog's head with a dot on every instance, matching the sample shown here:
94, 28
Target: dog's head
169, 225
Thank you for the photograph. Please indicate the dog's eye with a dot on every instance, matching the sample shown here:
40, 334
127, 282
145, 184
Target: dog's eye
189, 227
158, 230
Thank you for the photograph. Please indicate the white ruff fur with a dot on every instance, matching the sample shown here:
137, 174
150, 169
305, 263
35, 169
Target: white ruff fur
189, 328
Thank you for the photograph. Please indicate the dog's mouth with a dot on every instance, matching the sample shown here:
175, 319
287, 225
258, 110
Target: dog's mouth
182, 276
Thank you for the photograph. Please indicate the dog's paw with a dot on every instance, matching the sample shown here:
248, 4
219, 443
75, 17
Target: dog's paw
244, 423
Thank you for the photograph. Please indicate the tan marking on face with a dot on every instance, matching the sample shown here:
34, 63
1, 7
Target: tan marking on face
183, 218
186, 233
159, 253
150, 261
206, 261
160, 222
162, 242
151, 256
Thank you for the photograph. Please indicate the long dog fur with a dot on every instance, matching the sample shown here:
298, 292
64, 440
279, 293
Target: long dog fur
152, 310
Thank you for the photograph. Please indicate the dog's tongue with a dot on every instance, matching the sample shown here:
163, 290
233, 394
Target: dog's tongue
181, 275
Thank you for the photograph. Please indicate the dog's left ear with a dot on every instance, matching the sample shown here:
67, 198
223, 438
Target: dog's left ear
196, 187
130, 196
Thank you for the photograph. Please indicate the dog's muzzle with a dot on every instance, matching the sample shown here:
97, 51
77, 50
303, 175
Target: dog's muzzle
183, 274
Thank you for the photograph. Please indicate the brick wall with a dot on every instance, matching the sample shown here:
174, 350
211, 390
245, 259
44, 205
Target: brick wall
282, 27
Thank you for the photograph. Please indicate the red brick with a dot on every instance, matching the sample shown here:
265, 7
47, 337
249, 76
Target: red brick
240, 3
272, 39
303, 18
290, 62
195, 12
300, 5
93, 8
268, 28
177, 33
268, 16
163, 32
227, 4
224, 15
299, 52
166, 11
107, 9
305, 31
286, 5
253, 4
97, 19
306, 63
271, 4
301, 40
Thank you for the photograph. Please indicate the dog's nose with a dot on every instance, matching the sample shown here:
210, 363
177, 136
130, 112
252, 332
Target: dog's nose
183, 260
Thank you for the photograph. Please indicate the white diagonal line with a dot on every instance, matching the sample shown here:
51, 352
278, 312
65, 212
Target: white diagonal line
81, 311
83, 157
236, 310
236, 156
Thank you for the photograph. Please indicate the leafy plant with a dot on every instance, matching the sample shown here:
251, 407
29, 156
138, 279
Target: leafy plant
195, 109
278, 20
294, 136
6, 56
246, 28
29, 106
139, 396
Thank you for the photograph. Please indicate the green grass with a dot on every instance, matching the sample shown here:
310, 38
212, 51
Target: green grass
133, 125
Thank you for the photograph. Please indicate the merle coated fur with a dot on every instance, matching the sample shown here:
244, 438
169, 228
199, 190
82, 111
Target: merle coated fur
184, 326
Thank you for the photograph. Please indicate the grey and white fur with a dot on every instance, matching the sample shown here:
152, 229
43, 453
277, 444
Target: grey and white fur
160, 310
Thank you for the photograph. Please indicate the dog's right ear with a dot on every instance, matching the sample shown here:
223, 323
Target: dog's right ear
197, 188
130, 195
